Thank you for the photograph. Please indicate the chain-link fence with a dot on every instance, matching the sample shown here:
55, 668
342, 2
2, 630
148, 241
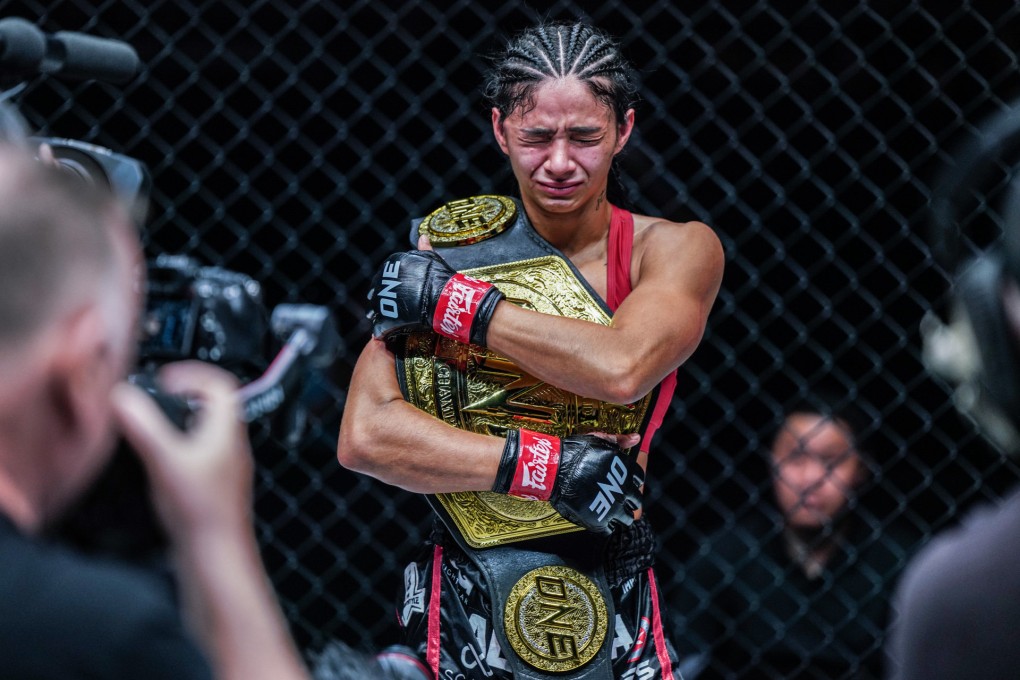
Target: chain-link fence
292, 140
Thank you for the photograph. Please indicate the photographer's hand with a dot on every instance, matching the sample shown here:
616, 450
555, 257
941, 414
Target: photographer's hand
201, 479
201, 482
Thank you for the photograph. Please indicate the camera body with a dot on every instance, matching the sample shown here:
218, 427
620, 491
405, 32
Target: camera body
206, 313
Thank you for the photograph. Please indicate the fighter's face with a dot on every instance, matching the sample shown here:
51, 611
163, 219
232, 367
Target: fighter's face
561, 149
815, 470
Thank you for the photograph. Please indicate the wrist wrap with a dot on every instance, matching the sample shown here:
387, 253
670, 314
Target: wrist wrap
529, 465
457, 306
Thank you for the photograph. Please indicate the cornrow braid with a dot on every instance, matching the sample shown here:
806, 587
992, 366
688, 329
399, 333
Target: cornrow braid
553, 51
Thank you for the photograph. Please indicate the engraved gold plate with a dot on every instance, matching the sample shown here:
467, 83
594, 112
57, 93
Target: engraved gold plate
475, 389
555, 619
468, 220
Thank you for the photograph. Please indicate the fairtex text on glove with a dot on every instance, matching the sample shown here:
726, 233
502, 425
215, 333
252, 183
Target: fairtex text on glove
590, 481
418, 290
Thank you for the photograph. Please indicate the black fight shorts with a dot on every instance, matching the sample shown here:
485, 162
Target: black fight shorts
447, 620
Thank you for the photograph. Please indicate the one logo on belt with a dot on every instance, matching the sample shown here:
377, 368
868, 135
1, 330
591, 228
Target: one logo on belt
468, 220
555, 619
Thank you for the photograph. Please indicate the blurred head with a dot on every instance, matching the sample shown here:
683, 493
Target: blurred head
69, 304
816, 469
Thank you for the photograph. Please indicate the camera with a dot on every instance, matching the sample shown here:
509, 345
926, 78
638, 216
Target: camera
215, 315
203, 313
192, 311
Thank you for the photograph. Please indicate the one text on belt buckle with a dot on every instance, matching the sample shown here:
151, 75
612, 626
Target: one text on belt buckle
474, 389
555, 619
468, 220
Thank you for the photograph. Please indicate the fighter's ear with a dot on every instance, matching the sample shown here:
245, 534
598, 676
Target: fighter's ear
623, 130
497, 130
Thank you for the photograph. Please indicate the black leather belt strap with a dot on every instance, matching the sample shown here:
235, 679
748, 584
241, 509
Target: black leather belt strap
504, 566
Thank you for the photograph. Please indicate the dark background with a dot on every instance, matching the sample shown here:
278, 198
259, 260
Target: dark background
292, 141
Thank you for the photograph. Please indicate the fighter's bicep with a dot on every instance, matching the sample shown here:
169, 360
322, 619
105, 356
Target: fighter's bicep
661, 321
371, 396
678, 279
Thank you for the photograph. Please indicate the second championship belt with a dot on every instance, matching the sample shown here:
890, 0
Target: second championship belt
476, 389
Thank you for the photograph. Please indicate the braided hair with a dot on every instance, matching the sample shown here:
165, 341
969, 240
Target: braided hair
553, 51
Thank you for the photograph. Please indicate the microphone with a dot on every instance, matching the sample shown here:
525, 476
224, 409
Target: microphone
22, 45
24, 48
81, 57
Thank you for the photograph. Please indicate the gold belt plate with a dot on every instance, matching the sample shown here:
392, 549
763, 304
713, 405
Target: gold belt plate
555, 619
475, 389
468, 220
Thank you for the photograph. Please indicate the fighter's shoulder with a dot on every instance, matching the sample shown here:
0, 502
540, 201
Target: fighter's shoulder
661, 230
658, 237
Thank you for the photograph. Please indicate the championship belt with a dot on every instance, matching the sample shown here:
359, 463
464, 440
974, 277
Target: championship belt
551, 602
475, 389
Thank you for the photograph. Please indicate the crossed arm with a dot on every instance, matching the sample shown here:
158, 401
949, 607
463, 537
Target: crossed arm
656, 329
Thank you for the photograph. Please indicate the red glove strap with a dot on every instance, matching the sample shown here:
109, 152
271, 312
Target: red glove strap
537, 463
457, 305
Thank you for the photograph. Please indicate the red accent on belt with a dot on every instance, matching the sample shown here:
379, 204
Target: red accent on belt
432, 647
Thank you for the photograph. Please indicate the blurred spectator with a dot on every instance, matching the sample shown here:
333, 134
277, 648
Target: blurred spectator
802, 592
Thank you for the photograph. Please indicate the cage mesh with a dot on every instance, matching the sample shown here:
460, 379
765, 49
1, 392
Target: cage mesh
293, 140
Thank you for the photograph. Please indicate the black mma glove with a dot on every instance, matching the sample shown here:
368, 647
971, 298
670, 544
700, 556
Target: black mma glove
417, 290
587, 479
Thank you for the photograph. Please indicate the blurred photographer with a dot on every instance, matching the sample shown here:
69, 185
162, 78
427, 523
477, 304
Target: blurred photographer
70, 298
958, 604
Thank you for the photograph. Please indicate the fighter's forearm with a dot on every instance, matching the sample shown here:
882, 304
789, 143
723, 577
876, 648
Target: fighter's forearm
383, 436
403, 446
600, 362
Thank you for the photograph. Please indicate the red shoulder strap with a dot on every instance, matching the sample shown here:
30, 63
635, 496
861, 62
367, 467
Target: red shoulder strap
620, 250
621, 246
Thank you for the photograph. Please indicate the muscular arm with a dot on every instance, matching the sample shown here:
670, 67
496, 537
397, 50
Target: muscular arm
383, 436
655, 329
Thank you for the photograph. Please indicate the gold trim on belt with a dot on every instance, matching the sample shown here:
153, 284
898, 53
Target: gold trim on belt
475, 389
